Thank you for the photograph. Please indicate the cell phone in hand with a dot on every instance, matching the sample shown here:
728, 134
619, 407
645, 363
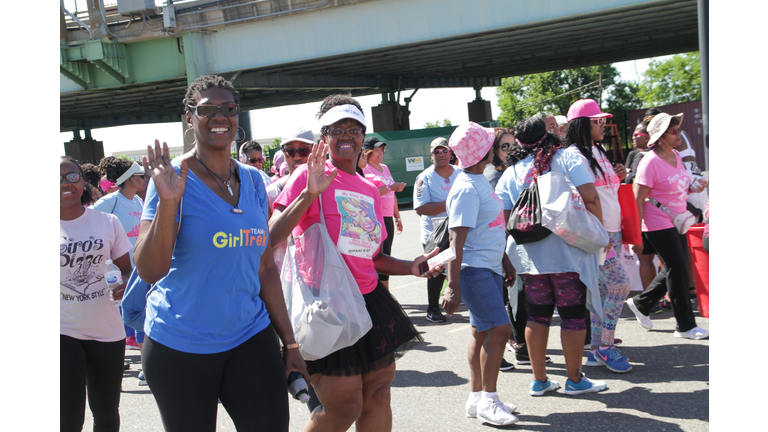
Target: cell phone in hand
423, 268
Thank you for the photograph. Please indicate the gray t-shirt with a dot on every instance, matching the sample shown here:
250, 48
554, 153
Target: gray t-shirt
434, 188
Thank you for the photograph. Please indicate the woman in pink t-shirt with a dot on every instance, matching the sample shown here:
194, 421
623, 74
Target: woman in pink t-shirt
353, 383
378, 174
662, 176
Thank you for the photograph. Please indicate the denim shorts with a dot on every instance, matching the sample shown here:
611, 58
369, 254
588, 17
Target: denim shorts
482, 293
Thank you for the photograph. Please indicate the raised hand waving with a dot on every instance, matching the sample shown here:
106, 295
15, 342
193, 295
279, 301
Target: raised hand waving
317, 179
169, 184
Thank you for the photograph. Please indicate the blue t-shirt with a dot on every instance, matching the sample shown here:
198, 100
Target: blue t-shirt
553, 254
472, 203
209, 301
434, 188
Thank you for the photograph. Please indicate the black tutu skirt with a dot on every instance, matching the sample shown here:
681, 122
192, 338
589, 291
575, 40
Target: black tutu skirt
390, 337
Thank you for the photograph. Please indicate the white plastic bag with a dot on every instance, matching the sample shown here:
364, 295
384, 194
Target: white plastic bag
325, 305
563, 212
631, 263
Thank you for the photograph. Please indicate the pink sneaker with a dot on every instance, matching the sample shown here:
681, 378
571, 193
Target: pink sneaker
130, 343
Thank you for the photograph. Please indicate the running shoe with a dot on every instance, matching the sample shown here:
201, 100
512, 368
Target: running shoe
130, 343
584, 386
591, 360
434, 315
142, 380
538, 388
695, 333
505, 365
613, 360
645, 321
495, 413
471, 407
521, 356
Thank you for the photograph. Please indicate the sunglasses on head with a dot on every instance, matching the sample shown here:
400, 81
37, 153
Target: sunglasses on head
229, 110
600, 121
72, 177
301, 151
438, 151
255, 160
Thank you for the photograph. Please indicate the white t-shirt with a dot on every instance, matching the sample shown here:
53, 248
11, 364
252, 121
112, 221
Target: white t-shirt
85, 244
127, 211
607, 186
434, 188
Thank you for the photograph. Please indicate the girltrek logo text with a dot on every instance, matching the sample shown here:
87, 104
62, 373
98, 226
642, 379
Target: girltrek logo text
242, 238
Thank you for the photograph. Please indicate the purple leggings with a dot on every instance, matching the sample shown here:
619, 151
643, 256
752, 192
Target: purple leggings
556, 289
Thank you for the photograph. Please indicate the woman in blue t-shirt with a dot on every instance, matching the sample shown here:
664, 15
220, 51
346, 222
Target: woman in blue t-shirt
212, 315
476, 224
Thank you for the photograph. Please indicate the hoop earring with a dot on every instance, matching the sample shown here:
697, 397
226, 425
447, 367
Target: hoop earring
238, 133
185, 136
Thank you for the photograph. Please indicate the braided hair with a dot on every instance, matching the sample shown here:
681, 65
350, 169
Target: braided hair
113, 168
579, 133
89, 191
203, 83
333, 101
532, 138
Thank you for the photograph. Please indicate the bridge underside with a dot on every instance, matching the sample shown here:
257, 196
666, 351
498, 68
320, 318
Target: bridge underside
466, 60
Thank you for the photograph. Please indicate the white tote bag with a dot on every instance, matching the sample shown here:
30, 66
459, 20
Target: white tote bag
325, 305
631, 263
563, 212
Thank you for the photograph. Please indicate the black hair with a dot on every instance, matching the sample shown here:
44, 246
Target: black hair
653, 111
113, 168
203, 83
250, 146
333, 101
91, 174
498, 133
88, 192
542, 144
579, 133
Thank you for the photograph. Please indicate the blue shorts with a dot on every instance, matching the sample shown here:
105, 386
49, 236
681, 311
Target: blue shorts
482, 293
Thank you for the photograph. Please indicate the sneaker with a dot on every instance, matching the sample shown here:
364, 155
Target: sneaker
613, 360
584, 386
505, 365
665, 304
521, 355
644, 321
511, 345
656, 310
127, 366
142, 380
617, 341
495, 413
435, 316
587, 347
695, 333
591, 360
130, 343
538, 388
471, 408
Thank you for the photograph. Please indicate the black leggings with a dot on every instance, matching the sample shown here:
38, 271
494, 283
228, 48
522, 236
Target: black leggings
670, 246
248, 379
97, 366
518, 324
386, 247
434, 286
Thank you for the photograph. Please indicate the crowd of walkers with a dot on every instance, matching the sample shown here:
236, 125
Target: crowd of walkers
208, 233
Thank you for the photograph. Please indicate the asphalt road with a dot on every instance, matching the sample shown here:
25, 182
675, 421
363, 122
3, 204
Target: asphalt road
667, 390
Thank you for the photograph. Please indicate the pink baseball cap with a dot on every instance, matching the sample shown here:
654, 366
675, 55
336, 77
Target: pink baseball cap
586, 108
470, 143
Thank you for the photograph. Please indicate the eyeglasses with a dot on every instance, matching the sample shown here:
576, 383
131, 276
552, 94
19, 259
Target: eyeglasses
229, 110
637, 134
383, 150
72, 177
674, 131
503, 146
600, 121
438, 151
292, 152
352, 132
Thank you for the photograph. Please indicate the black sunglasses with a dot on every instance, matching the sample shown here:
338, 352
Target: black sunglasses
72, 177
438, 151
229, 110
302, 151
255, 160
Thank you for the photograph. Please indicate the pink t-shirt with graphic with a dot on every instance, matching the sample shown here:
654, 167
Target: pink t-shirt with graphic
353, 215
379, 179
669, 186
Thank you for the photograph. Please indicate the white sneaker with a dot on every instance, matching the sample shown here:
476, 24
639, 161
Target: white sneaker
471, 408
695, 333
644, 320
495, 413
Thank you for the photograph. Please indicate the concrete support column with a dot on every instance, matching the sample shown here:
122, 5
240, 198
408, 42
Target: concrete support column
479, 109
390, 115
85, 150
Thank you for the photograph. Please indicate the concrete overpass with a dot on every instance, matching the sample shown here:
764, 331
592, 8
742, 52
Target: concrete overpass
131, 69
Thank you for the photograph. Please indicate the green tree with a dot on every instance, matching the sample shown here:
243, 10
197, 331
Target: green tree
438, 123
671, 81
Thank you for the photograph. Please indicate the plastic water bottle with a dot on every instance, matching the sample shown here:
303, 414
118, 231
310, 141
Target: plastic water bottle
297, 386
114, 278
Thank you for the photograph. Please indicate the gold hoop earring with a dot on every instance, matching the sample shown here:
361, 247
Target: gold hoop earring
238, 133
185, 136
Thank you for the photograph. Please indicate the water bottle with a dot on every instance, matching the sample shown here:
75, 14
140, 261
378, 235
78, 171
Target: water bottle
297, 386
114, 278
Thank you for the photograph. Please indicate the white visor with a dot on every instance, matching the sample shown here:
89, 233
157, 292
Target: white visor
341, 112
134, 169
